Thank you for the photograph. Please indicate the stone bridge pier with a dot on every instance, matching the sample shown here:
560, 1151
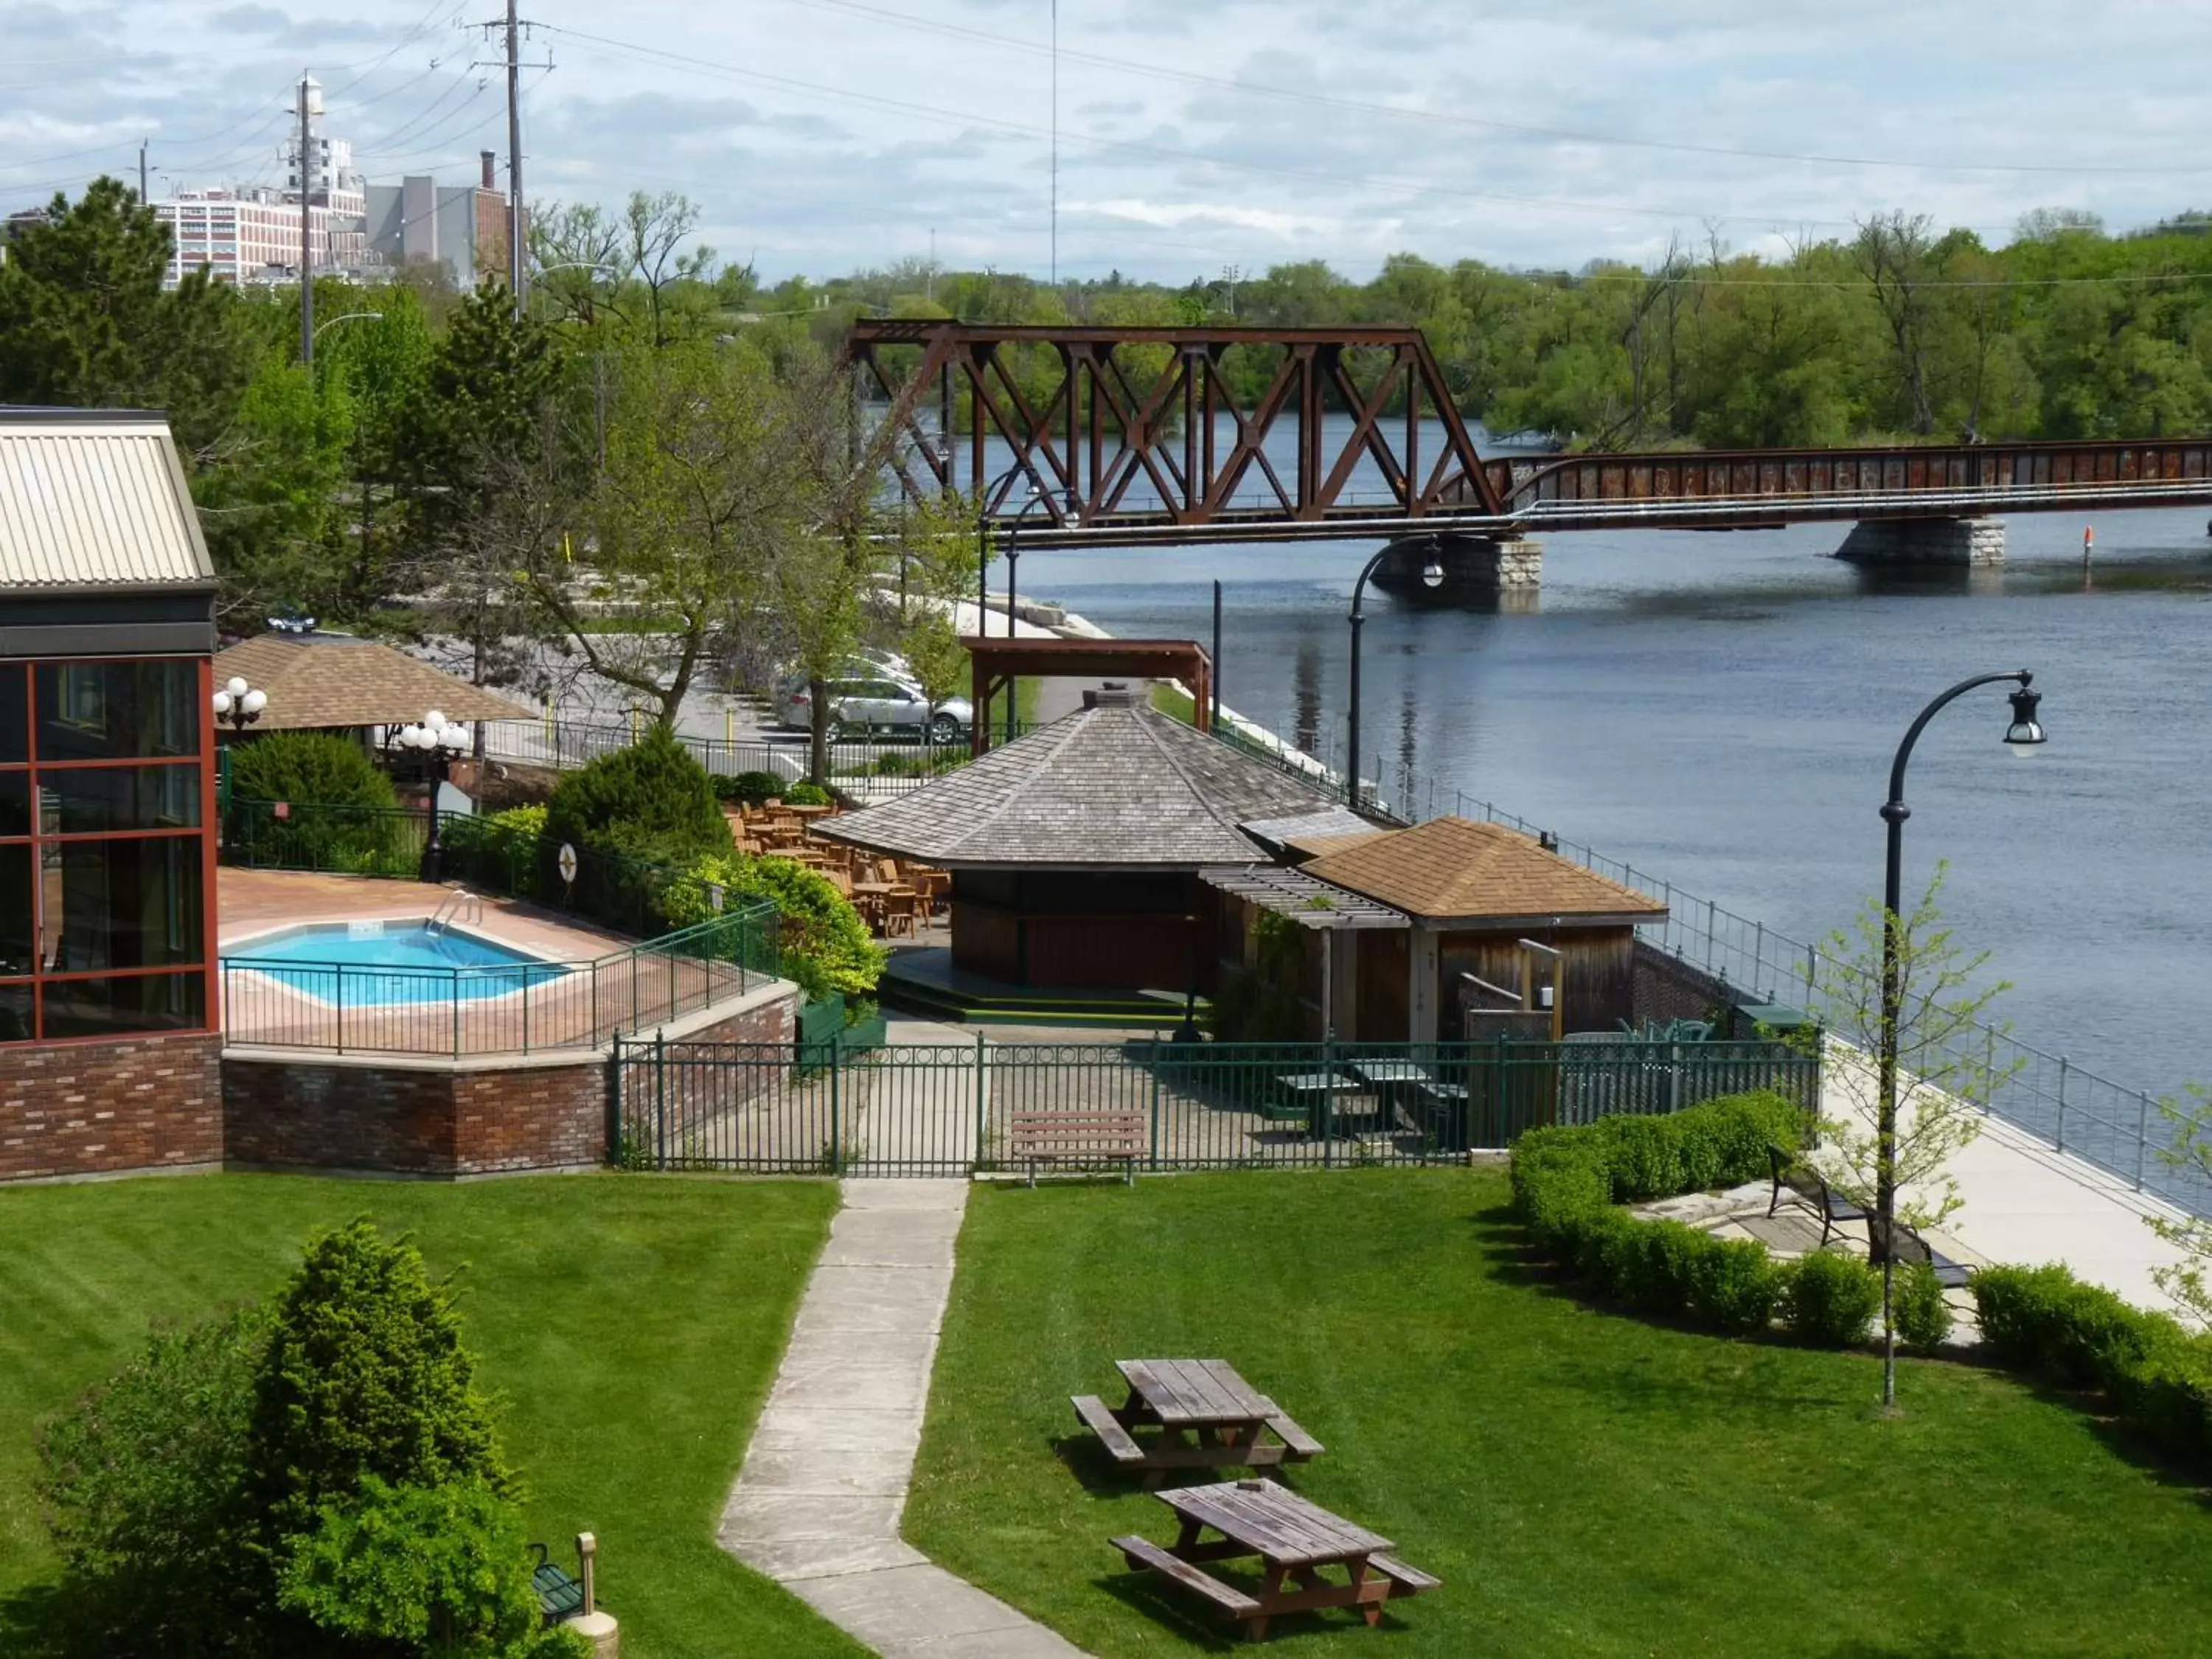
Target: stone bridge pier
1936, 543
1478, 570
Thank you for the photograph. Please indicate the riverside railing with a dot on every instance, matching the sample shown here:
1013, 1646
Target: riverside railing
950, 1109
518, 1008
864, 768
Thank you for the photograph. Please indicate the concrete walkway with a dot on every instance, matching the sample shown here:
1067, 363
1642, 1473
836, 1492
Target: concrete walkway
817, 1506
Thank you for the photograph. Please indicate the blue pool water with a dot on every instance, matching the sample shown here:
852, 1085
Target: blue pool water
360, 964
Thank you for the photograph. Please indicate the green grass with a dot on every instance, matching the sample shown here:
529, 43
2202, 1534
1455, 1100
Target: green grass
1584, 1482
631, 1326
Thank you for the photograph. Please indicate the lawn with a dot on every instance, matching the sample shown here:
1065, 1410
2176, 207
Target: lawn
631, 1326
1585, 1483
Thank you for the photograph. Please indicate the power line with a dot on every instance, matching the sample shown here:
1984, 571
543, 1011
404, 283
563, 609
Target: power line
969, 119
412, 35
1564, 135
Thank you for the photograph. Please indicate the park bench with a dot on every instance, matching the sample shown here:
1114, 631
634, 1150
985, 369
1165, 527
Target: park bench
1910, 1248
1805, 1184
559, 1595
1106, 1136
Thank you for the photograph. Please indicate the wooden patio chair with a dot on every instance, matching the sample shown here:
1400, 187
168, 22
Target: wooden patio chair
900, 906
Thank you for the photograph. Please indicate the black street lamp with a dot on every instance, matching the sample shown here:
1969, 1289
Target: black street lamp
1432, 575
237, 703
2024, 732
434, 742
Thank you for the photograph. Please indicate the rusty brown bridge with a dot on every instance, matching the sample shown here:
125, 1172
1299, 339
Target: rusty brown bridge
1127, 436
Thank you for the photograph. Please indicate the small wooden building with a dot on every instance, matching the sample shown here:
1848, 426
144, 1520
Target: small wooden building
1075, 851
1471, 893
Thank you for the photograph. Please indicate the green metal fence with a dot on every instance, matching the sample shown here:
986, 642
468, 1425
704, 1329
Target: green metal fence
951, 1109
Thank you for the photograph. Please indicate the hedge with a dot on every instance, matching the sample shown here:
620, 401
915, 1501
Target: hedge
1567, 1183
2155, 1373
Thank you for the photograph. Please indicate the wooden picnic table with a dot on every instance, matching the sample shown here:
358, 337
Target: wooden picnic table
1294, 1540
1205, 1417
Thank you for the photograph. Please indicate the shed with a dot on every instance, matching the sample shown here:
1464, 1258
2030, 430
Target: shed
1471, 893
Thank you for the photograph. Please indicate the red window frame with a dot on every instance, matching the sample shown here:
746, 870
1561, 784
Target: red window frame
204, 760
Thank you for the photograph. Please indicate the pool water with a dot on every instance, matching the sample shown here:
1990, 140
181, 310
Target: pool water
364, 962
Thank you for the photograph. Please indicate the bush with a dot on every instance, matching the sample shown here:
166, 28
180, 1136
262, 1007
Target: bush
2046, 1320
498, 851
319, 767
441, 1570
1733, 1286
1829, 1300
1922, 1317
366, 1376
826, 948
651, 801
804, 794
1643, 1155
140, 1482
753, 788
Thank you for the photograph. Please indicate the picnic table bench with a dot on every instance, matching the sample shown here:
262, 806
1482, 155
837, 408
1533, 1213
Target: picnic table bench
1224, 1417
1107, 1135
1294, 1540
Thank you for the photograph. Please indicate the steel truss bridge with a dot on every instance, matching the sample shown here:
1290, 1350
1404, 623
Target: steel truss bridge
1143, 440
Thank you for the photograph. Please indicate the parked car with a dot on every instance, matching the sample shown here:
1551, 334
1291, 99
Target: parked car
861, 706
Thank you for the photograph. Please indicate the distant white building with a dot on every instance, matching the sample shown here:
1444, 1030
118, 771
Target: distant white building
250, 234
419, 221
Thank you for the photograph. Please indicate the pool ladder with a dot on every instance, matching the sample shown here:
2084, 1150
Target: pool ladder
459, 905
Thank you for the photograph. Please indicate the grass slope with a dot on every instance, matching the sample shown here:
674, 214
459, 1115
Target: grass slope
1584, 1482
631, 1326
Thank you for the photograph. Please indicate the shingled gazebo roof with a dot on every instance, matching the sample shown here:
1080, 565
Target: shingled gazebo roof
1454, 870
1113, 787
322, 681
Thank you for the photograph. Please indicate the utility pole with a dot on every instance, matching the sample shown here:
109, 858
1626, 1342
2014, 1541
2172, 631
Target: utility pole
514, 261
142, 172
307, 91
1056, 143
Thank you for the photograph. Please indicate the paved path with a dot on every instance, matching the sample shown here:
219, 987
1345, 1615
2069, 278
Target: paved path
817, 1503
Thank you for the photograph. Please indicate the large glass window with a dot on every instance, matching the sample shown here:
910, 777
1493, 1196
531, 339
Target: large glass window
103, 866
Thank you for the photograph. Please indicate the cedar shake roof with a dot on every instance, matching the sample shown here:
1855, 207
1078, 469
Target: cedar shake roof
1105, 788
1453, 870
320, 681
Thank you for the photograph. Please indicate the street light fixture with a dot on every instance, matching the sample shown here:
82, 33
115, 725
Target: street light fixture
1432, 576
434, 742
342, 317
2024, 732
238, 703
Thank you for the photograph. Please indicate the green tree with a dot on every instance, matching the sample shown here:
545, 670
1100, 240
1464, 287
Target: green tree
651, 801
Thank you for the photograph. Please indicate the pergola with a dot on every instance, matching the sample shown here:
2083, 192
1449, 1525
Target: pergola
998, 662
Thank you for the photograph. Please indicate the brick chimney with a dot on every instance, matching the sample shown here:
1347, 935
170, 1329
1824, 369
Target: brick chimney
490, 160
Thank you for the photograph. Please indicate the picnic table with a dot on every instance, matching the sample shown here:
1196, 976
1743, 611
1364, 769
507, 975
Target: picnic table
1205, 1415
1294, 1540
1435, 1105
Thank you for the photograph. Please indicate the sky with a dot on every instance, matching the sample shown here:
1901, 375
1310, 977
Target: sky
820, 136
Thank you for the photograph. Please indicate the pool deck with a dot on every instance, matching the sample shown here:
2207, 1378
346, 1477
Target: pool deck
251, 902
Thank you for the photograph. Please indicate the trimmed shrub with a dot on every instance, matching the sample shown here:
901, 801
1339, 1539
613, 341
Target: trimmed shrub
1829, 1300
804, 794
1922, 1317
753, 788
140, 1480
1643, 1156
497, 851
651, 801
1733, 1286
2046, 1320
317, 767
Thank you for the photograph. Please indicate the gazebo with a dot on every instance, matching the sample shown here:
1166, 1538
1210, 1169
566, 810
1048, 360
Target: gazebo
1075, 851
338, 682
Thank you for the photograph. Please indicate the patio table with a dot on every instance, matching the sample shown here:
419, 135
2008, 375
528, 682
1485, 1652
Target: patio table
1295, 1539
1206, 1417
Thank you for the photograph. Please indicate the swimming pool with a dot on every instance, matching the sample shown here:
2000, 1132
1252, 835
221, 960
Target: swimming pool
361, 963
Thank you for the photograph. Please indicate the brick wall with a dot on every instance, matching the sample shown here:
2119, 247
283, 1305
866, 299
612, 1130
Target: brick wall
443, 1118
1667, 988
73, 1109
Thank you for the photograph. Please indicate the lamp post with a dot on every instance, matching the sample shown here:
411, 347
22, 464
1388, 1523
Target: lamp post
237, 703
2024, 732
434, 742
1432, 575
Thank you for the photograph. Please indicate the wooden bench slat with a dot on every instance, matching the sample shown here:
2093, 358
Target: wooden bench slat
1140, 1552
1406, 1581
1116, 1438
1299, 1443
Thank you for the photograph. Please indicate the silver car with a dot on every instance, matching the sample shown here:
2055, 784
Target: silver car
859, 707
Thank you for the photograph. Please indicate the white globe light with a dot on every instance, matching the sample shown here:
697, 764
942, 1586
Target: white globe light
454, 738
235, 686
255, 701
222, 702
411, 735
433, 719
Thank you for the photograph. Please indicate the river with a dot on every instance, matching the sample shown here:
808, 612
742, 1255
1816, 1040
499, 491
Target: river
1721, 710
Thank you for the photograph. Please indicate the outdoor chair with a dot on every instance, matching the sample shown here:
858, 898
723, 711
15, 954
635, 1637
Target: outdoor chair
1911, 1247
900, 905
1804, 1184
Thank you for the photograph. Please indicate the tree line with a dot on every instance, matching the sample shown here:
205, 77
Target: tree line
660, 469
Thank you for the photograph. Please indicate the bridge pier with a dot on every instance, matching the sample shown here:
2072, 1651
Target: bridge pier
1478, 570
1953, 543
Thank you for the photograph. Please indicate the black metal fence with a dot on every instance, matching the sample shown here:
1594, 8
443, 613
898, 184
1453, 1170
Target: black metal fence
862, 767
952, 1108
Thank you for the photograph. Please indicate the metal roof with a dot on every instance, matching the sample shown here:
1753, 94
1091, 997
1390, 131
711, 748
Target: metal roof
1297, 897
1105, 788
95, 499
